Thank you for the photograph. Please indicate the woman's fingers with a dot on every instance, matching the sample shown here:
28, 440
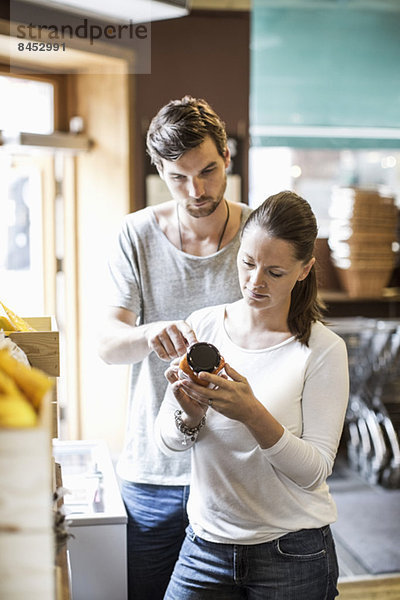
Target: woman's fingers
222, 381
194, 391
230, 371
171, 374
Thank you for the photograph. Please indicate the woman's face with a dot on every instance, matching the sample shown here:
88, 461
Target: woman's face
268, 270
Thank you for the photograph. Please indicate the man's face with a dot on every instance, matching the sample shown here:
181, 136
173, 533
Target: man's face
197, 180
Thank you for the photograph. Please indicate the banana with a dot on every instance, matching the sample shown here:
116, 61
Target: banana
33, 383
17, 323
6, 325
15, 410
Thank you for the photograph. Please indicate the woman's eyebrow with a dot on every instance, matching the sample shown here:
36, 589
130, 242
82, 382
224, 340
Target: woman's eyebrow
248, 257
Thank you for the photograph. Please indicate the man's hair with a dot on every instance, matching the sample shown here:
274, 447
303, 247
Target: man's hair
289, 217
182, 125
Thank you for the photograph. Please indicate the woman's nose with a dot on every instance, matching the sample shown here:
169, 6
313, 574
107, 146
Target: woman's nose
257, 278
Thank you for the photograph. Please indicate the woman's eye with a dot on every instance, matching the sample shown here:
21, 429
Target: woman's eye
245, 262
276, 275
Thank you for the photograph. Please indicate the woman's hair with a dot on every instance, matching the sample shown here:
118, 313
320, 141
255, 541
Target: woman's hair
289, 217
182, 125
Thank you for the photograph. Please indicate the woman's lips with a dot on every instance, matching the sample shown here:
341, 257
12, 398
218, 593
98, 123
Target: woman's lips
254, 294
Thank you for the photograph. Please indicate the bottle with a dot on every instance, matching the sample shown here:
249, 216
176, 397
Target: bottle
201, 356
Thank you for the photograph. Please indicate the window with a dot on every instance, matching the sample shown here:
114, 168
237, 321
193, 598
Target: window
26, 105
313, 173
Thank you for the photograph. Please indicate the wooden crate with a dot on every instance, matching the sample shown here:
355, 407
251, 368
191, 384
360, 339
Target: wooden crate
42, 348
26, 521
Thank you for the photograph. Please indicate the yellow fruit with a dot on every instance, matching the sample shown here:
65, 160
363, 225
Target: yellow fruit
5, 324
17, 323
32, 382
7, 386
15, 410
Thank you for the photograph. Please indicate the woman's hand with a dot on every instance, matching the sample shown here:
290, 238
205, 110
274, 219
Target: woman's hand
232, 397
235, 399
194, 411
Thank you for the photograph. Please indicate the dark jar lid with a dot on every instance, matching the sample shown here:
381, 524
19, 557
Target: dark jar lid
203, 356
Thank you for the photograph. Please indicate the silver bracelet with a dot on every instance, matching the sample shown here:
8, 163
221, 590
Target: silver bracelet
191, 432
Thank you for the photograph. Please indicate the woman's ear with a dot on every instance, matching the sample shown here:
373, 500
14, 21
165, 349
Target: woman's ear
306, 269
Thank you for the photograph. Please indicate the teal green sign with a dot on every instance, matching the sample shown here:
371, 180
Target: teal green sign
328, 65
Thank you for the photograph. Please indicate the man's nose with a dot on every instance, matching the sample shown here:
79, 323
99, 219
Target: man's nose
196, 187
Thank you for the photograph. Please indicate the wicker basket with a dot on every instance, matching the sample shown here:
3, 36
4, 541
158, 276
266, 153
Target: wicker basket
354, 203
362, 232
364, 282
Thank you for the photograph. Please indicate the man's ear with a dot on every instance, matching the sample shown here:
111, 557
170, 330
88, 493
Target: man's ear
306, 269
160, 171
227, 157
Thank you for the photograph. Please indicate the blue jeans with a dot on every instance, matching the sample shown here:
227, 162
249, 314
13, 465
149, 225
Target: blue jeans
297, 566
157, 522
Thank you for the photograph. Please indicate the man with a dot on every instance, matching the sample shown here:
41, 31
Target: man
170, 260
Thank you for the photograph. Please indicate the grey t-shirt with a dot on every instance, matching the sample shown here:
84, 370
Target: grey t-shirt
157, 281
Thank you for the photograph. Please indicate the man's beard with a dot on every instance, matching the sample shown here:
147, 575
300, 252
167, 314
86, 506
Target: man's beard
212, 205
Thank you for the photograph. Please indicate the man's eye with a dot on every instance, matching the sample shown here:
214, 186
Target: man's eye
177, 177
247, 263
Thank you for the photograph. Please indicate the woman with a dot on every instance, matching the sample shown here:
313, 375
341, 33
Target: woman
264, 440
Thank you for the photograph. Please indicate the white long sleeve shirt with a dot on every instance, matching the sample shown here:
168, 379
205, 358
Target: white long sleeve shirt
241, 493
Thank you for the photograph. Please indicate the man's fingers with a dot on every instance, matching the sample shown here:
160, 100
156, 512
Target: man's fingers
172, 339
188, 334
181, 336
157, 345
177, 337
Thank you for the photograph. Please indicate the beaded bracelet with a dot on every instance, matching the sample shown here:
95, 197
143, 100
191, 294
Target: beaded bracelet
192, 432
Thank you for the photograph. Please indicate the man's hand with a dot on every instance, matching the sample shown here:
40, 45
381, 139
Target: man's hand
169, 339
122, 341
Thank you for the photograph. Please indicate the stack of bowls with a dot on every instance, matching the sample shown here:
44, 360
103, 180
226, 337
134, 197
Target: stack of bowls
361, 237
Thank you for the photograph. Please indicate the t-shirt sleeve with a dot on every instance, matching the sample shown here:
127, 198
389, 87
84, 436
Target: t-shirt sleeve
124, 289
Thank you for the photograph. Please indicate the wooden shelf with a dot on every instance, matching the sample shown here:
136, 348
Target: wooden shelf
371, 588
339, 296
340, 304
